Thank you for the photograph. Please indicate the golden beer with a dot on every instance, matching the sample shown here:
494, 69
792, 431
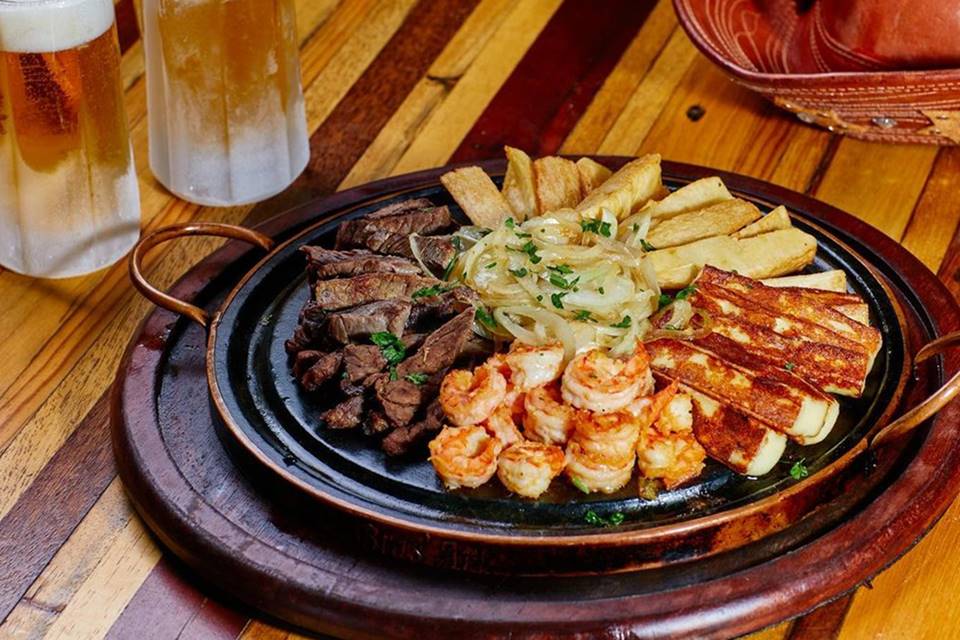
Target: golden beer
227, 119
69, 202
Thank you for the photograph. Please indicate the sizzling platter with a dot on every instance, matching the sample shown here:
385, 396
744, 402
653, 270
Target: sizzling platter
264, 411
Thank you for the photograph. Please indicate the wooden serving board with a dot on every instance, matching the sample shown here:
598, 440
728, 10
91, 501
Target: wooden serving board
301, 561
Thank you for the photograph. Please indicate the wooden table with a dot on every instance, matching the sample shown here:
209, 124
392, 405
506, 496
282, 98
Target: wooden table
393, 86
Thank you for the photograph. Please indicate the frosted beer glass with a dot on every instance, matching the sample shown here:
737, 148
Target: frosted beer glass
227, 119
69, 202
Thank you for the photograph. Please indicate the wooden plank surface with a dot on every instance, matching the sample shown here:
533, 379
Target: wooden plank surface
393, 86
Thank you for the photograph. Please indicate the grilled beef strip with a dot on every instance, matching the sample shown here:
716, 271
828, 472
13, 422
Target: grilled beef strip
400, 399
436, 252
323, 263
424, 219
346, 415
303, 360
340, 293
429, 311
376, 423
441, 348
360, 322
402, 440
324, 369
361, 361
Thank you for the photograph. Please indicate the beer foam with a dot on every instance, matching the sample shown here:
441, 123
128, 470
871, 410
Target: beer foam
44, 26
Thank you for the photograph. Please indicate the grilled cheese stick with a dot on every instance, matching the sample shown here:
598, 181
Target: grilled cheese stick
782, 301
828, 360
773, 396
733, 438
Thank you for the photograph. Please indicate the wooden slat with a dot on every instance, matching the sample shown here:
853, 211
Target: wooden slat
541, 101
623, 81
73, 563
53, 504
936, 215
449, 123
823, 623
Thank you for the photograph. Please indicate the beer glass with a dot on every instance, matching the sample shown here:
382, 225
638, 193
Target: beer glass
227, 119
69, 201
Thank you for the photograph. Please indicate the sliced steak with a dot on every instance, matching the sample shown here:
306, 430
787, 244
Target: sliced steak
346, 415
311, 331
361, 361
432, 310
441, 348
436, 252
304, 360
422, 220
325, 368
376, 423
360, 322
325, 263
400, 399
402, 440
340, 293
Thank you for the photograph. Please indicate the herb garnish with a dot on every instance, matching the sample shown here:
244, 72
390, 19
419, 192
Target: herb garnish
509, 223
578, 483
530, 249
486, 318
602, 292
417, 378
429, 292
490, 266
664, 300
596, 226
458, 248
392, 348
646, 246
557, 299
565, 269
596, 520
686, 292
789, 366
584, 316
519, 273
624, 323
562, 283
799, 470
522, 235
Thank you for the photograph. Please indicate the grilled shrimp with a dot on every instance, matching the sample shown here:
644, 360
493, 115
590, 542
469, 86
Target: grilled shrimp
527, 468
501, 426
464, 456
648, 408
598, 382
469, 398
608, 438
589, 474
667, 449
546, 418
531, 366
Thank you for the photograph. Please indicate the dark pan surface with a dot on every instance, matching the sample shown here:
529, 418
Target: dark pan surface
261, 399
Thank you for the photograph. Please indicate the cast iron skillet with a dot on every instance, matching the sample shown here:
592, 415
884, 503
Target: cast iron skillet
272, 420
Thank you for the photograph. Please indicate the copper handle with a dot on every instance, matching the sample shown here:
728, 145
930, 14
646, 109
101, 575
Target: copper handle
173, 232
929, 407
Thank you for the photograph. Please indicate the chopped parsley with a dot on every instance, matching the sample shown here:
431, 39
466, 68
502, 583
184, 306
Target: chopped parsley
509, 223
596, 226
578, 483
491, 265
624, 323
485, 318
646, 246
557, 299
671, 327
393, 373
429, 292
417, 378
789, 366
519, 273
591, 517
458, 249
602, 292
635, 227
686, 292
522, 235
531, 250
799, 470
392, 348
583, 316
539, 298
565, 269
560, 282
664, 300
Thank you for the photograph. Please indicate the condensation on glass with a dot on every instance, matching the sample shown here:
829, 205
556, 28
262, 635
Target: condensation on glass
69, 201
226, 110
